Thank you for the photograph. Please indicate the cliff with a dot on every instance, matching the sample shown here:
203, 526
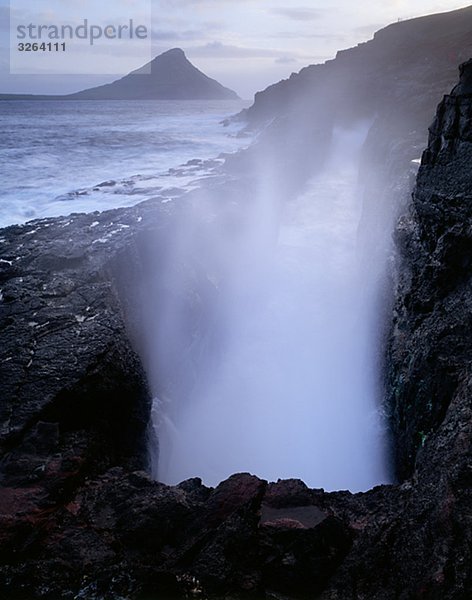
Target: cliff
430, 349
370, 79
77, 519
393, 83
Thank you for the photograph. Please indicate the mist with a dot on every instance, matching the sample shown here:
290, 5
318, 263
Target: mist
263, 333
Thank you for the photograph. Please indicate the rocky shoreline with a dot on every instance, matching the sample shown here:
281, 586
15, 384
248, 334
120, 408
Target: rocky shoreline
81, 519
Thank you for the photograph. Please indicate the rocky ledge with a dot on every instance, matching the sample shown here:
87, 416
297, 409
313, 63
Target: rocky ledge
81, 519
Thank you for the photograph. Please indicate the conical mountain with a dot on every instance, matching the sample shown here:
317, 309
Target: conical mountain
169, 76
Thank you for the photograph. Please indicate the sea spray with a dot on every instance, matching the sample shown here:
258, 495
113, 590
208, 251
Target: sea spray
289, 384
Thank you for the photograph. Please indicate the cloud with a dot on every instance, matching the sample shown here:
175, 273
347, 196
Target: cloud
369, 29
226, 51
220, 50
200, 3
292, 35
285, 60
178, 34
298, 13
4, 61
163, 35
4, 18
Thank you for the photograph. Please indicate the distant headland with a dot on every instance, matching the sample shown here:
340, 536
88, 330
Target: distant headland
169, 76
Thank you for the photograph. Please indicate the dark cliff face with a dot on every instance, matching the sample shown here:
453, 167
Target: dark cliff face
72, 527
404, 71
431, 347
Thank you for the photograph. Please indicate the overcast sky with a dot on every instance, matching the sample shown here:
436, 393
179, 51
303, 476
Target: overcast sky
245, 44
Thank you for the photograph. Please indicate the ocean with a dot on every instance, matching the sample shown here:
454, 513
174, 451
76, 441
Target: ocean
59, 157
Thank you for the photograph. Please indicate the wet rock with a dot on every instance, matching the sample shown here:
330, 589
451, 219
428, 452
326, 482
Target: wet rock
431, 346
79, 518
75, 395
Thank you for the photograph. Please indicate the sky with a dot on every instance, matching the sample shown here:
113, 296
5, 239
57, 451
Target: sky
245, 44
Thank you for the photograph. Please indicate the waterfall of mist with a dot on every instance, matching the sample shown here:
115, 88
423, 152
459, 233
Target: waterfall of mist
275, 368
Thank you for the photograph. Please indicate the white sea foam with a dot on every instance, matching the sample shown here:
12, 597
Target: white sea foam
61, 157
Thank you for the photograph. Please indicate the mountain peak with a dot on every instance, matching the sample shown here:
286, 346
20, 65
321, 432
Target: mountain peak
177, 52
174, 55
169, 76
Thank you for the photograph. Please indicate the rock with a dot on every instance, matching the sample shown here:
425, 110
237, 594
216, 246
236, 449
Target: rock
431, 347
76, 396
79, 518
288, 493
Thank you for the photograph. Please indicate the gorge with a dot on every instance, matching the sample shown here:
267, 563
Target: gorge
80, 515
278, 380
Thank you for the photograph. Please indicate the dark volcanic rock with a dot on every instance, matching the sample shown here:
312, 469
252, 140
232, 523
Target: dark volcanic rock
431, 349
75, 400
80, 520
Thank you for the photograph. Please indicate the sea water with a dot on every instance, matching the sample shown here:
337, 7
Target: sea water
59, 157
